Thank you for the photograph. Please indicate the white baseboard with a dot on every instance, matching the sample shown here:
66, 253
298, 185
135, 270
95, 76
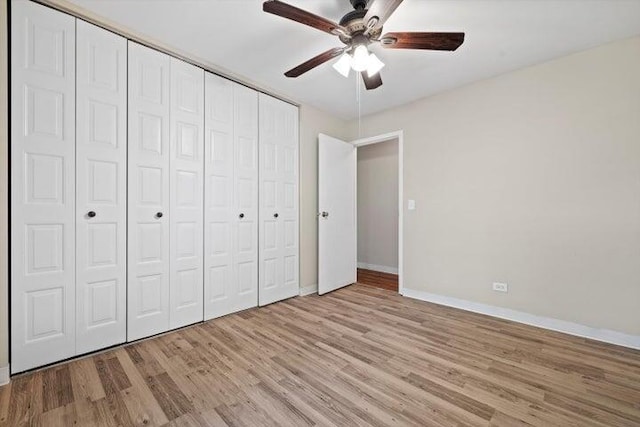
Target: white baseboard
308, 290
605, 335
380, 268
4, 375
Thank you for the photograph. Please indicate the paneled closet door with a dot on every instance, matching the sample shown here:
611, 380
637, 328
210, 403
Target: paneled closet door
219, 272
230, 190
148, 195
245, 232
187, 167
42, 186
279, 249
101, 192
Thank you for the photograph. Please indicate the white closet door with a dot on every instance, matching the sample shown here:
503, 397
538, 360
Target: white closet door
279, 266
219, 291
148, 194
245, 232
42, 186
101, 192
187, 164
231, 172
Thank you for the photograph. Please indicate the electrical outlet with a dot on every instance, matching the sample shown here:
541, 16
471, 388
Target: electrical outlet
500, 287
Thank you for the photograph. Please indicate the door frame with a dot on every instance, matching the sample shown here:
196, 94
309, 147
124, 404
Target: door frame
399, 135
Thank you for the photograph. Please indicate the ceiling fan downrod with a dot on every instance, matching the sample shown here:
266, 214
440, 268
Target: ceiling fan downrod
359, 4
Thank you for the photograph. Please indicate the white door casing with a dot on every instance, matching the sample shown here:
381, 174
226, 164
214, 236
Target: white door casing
337, 260
278, 245
186, 193
148, 196
231, 122
101, 188
42, 186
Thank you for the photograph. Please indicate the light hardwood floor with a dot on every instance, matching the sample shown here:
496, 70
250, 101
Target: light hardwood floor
357, 356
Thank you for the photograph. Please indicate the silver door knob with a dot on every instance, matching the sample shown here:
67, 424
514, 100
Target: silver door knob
325, 214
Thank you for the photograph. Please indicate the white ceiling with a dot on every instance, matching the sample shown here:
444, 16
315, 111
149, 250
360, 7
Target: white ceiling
501, 35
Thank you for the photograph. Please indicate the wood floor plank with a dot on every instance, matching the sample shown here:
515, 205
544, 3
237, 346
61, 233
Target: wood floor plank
362, 355
378, 279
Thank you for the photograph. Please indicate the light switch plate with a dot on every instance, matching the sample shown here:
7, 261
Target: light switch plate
411, 205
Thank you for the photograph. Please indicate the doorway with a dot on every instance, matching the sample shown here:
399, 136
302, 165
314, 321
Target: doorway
378, 214
337, 213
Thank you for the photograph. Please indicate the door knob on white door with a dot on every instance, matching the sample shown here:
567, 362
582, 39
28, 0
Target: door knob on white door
325, 214
275, 215
159, 215
91, 214
241, 216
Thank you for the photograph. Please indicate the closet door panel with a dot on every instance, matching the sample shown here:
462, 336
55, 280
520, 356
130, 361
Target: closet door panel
219, 209
148, 192
101, 192
187, 168
279, 264
42, 186
230, 190
245, 232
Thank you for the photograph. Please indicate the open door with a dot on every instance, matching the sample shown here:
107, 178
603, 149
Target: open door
337, 260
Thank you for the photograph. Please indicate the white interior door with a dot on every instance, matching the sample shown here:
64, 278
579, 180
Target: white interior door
278, 242
101, 188
187, 164
220, 212
148, 195
231, 122
42, 186
337, 260
245, 230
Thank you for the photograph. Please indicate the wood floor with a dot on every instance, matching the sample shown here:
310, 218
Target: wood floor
378, 279
357, 356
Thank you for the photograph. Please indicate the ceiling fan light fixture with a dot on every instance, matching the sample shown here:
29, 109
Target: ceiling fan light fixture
374, 66
343, 65
360, 58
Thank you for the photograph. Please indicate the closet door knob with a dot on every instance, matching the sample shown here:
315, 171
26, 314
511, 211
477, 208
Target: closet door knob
91, 214
275, 215
159, 215
241, 215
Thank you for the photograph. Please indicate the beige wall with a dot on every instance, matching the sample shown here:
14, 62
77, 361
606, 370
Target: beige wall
312, 122
378, 204
4, 189
530, 178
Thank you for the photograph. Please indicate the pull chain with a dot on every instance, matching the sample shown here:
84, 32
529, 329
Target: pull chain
359, 101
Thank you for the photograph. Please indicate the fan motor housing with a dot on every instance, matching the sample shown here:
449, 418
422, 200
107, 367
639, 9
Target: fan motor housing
355, 25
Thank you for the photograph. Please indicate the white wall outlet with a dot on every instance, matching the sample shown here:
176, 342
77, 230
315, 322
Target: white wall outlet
411, 205
500, 287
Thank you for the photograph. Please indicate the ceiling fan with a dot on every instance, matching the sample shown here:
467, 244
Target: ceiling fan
357, 30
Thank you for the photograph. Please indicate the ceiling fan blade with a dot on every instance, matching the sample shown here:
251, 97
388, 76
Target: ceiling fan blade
380, 9
314, 62
371, 82
285, 10
430, 41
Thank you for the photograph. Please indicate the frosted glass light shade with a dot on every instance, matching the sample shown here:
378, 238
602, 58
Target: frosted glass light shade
374, 66
360, 59
343, 65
